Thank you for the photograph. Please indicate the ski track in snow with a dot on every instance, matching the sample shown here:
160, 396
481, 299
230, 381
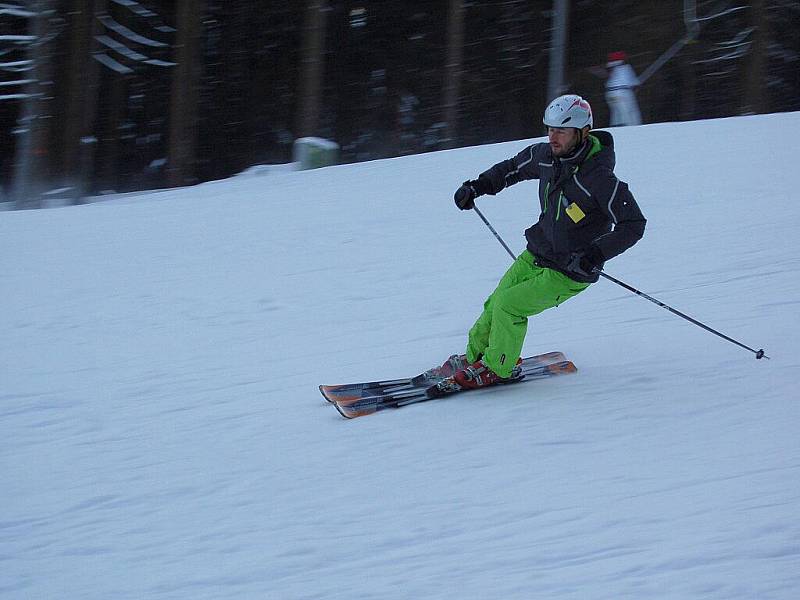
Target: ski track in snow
150, 451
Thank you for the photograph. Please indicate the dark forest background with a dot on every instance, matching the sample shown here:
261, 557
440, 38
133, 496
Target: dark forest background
119, 95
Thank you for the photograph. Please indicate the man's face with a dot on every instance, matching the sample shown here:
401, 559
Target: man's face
562, 140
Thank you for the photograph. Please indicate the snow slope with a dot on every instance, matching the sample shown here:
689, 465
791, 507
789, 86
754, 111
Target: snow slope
162, 436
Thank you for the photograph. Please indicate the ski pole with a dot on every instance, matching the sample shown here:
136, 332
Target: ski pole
497, 235
758, 353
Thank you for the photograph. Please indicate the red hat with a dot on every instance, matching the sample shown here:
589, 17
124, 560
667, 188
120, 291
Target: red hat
618, 55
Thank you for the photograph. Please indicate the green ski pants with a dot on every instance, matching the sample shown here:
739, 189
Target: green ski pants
525, 290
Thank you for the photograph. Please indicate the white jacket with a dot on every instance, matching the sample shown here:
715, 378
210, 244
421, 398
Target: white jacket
621, 77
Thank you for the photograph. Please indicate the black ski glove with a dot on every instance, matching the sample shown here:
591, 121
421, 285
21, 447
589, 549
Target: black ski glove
466, 194
586, 261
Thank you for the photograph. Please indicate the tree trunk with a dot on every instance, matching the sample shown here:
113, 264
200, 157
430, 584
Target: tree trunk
109, 163
32, 146
77, 137
453, 71
312, 68
183, 131
688, 82
755, 81
80, 34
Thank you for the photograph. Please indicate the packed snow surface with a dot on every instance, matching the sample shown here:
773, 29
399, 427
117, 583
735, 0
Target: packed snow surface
162, 435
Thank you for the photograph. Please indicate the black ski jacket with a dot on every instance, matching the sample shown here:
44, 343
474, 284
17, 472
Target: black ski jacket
582, 202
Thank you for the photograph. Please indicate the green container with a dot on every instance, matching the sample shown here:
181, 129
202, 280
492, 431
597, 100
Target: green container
313, 152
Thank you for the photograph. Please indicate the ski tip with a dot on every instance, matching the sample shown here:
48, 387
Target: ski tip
355, 406
342, 412
352, 412
338, 393
330, 388
324, 389
562, 367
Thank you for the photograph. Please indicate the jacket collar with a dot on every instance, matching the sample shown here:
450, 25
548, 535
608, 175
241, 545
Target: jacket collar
578, 155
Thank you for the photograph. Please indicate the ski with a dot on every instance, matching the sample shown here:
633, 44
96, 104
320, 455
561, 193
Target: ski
353, 391
376, 400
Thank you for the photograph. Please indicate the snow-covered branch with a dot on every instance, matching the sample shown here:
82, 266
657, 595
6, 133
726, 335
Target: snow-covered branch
123, 50
736, 53
737, 41
17, 66
112, 64
136, 8
140, 10
15, 11
17, 82
129, 34
120, 48
18, 96
160, 63
722, 14
18, 39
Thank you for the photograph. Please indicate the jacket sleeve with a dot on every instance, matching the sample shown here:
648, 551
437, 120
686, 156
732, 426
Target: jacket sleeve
616, 200
521, 167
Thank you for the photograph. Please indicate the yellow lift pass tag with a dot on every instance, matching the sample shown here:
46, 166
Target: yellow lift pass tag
575, 213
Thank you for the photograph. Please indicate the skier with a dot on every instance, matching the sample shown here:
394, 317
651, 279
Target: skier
587, 216
620, 94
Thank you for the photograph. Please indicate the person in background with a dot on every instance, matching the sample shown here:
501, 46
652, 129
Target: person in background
620, 96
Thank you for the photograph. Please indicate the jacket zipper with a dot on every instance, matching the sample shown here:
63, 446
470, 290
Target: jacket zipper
546, 196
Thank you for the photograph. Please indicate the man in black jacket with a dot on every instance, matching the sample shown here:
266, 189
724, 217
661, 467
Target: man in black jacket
587, 216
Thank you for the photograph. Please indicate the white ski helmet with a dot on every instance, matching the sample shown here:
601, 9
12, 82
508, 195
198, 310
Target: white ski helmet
569, 110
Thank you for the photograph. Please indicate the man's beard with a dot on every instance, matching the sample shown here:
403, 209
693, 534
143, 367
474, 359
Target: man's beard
564, 151
573, 150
